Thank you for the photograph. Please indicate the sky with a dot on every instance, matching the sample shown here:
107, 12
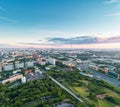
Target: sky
60, 23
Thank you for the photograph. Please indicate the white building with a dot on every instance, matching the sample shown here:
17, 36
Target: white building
78, 61
68, 63
0, 68
23, 79
16, 71
43, 63
1, 53
8, 67
47, 68
10, 60
29, 64
52, 61
19, 65
40, 72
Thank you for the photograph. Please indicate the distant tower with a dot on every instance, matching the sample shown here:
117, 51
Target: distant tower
71, 55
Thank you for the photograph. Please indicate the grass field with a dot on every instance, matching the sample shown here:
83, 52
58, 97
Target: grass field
98, 103
104, 103
81, 91
88, 89
112, 93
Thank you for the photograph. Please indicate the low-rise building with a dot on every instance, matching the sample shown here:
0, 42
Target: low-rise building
28, 71
16, 71
35, 76
12, 78
69, 63
43, 63
47, 68
102, 96
94, 67
103, 69
118, 76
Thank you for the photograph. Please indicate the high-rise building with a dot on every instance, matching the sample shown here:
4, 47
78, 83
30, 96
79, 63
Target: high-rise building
29, 64
19, 65
8, 67
23, 79
0, 68
52, 61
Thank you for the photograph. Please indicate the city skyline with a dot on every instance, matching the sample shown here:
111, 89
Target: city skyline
38, 23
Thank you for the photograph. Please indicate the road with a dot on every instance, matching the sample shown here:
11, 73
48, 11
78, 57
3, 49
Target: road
110, 80
102, 76
63, 87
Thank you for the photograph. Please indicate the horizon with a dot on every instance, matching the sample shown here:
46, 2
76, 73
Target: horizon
60, 23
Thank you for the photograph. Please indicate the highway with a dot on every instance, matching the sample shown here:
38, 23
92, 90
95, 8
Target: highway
63, 87
102, 76
107, 78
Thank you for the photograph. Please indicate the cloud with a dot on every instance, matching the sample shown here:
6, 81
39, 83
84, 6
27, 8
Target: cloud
38, 44
111, 1
84, 40
76, 41
32, 43
7, 19
113, 14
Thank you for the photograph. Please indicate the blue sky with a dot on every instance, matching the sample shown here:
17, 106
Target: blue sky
34, 21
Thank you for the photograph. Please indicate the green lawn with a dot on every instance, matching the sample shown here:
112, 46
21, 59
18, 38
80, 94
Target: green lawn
112, 93
84, 81
81, 91
98, 103
104, 103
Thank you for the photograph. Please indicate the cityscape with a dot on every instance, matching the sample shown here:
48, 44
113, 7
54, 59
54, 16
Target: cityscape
60, 77
59, 53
